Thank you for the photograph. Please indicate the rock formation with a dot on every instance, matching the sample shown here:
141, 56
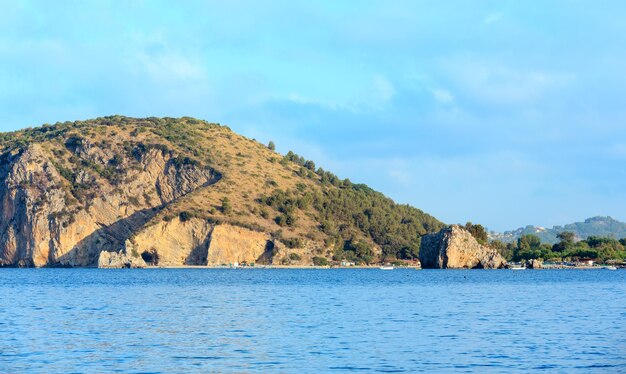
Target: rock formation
534, 264
236, 244
197, 242
119, 260
455, 248
132, 192
43, 224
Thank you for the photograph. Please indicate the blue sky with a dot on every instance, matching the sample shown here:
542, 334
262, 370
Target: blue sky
505, 113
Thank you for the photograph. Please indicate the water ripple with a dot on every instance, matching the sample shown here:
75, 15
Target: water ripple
309, 321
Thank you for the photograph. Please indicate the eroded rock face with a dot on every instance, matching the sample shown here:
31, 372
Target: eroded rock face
119, 260
174, 243
455, 248
44, 223
231, 244
30, 198
197, 242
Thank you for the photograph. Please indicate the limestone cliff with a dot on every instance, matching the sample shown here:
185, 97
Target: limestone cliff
172, 243
133, 192
455, 248
45, 224
230, 244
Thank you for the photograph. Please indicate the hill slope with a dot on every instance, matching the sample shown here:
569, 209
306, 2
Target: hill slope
183, 192
595, 226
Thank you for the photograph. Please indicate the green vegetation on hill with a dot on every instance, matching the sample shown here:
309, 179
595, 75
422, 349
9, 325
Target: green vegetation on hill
287, 196
347, 211
595, 226
530, 246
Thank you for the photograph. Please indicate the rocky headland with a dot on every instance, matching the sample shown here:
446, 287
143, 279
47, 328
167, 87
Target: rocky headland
126, 192
455, 248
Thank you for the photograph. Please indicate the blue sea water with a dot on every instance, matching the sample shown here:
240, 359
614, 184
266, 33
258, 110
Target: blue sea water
311, 321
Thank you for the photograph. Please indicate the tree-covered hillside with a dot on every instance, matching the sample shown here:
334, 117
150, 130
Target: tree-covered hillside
595, 226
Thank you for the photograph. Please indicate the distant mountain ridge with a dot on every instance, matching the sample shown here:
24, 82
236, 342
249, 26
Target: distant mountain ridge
594, 226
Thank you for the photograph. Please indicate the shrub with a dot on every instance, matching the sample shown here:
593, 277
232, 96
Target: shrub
320, 261
264, 213
227, 208
293, 242
134, 200
185, 216
294, 257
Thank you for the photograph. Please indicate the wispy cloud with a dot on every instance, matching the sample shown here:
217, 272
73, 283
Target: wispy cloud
500, 83
168, 66
384, 89
492, 18
442, 95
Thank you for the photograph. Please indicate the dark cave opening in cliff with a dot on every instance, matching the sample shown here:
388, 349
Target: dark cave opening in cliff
150, 257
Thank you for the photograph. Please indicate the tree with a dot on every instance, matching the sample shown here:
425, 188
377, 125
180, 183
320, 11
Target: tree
567, 236
271, 146
185, 216
567, 241
528, 247
226, 207
478, 232
505, 249
294, 257
309, 165
320, 261
411, 251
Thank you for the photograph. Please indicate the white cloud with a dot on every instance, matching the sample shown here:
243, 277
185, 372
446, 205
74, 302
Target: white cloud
298, 98
384, 89
367, 97
442, 95
169, 67
496, 83
492, 18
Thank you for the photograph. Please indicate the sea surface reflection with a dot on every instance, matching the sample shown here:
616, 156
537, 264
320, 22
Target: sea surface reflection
278, 320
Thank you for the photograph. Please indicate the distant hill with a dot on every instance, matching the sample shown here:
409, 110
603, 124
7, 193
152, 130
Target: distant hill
126, 192
594, 226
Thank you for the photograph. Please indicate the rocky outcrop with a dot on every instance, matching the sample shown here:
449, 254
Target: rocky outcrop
49, 218
231, 244
31, 205
173, 243
197, 242
455, 248
534, 264
119, 260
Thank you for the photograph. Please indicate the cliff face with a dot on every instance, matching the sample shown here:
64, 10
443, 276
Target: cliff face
128, 192
44, 224
455, 248
230, 244
197, 242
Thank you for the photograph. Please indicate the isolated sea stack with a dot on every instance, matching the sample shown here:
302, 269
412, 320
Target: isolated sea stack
136, 192
455, 248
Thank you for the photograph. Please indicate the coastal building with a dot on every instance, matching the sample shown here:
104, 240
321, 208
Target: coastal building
585, 262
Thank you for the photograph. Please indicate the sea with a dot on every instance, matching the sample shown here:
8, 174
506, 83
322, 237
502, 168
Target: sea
311, 321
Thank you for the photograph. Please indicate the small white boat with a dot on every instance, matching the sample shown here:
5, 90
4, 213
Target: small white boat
386, 268
518, 268
610, 267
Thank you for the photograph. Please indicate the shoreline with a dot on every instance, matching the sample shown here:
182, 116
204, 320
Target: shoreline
288, 267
